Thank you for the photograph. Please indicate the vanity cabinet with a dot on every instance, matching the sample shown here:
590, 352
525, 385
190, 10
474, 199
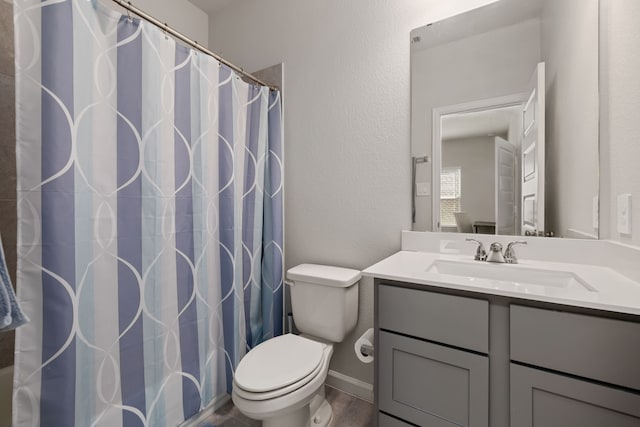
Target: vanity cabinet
432, 385
433, 369
571, 369
544, 399
459, 358
441, 318
598, 348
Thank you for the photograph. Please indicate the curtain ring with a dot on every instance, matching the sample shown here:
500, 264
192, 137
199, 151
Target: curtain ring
129, 17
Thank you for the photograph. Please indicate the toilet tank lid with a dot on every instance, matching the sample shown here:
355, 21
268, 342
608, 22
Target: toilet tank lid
324, 275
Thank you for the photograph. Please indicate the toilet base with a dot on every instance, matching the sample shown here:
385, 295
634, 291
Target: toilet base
323, 416
298, 418
302, 417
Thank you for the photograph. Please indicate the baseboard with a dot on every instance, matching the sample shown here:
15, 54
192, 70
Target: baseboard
199, 418
350, 385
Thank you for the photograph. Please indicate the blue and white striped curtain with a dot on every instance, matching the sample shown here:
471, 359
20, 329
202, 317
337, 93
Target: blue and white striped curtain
150, 220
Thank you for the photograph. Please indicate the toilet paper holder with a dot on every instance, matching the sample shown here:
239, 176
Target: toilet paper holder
366, 350
364, 346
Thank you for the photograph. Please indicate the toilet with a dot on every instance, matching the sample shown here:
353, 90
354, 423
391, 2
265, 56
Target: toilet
281, 381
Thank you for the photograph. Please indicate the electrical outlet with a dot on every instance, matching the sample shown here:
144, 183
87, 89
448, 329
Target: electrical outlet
624, 213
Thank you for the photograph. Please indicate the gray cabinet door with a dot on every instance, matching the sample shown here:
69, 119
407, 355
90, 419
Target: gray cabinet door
431, 385
593, 347
543, 399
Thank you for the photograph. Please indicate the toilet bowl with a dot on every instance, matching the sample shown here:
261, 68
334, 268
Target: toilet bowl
281, 381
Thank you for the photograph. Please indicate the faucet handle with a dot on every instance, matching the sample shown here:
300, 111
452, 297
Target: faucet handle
481, 253
510, 254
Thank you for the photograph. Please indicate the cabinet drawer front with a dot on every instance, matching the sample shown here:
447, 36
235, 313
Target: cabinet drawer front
592, 347
543, 399
458, 321
431, 385
387, 421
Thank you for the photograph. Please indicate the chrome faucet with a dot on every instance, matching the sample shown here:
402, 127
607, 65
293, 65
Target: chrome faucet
495, 252
510, 254
481, 253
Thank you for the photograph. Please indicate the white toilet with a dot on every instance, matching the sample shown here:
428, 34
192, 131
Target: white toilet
281, 381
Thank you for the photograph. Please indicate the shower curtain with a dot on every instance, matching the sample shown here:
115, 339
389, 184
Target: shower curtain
150, 220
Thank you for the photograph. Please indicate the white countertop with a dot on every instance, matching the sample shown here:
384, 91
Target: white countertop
610, 290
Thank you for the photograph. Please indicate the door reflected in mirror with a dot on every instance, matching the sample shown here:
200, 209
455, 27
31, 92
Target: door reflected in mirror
478, 173
505, 105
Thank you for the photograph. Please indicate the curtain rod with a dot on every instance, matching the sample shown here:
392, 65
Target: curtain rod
164, 26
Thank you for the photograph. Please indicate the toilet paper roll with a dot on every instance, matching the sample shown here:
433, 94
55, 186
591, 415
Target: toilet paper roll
365, 340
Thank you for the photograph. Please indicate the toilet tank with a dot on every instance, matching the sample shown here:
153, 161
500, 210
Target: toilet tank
324, 300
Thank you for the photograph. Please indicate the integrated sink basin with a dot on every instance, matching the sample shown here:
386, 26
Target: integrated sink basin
512, 276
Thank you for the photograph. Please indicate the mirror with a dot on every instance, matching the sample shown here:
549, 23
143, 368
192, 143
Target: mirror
505, 120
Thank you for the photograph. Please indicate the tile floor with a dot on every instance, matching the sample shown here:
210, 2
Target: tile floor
348, 411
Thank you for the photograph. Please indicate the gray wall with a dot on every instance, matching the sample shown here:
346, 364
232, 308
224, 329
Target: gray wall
346, 125
570, 50
620, 135
443, 75
476, 157
8, 214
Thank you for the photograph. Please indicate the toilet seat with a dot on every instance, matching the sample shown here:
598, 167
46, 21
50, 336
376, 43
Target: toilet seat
279, 391
278, 366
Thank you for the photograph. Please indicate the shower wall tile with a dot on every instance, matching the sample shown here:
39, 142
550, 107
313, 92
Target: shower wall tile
6, 348
8, 226
7, 137
6, 39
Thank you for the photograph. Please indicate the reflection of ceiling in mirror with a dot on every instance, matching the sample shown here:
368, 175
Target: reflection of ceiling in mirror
479, 123
487, 18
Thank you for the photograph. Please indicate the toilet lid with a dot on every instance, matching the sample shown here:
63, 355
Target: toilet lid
277, 363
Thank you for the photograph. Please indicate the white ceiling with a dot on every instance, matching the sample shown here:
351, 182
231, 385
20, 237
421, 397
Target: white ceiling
211, 7
479, 123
